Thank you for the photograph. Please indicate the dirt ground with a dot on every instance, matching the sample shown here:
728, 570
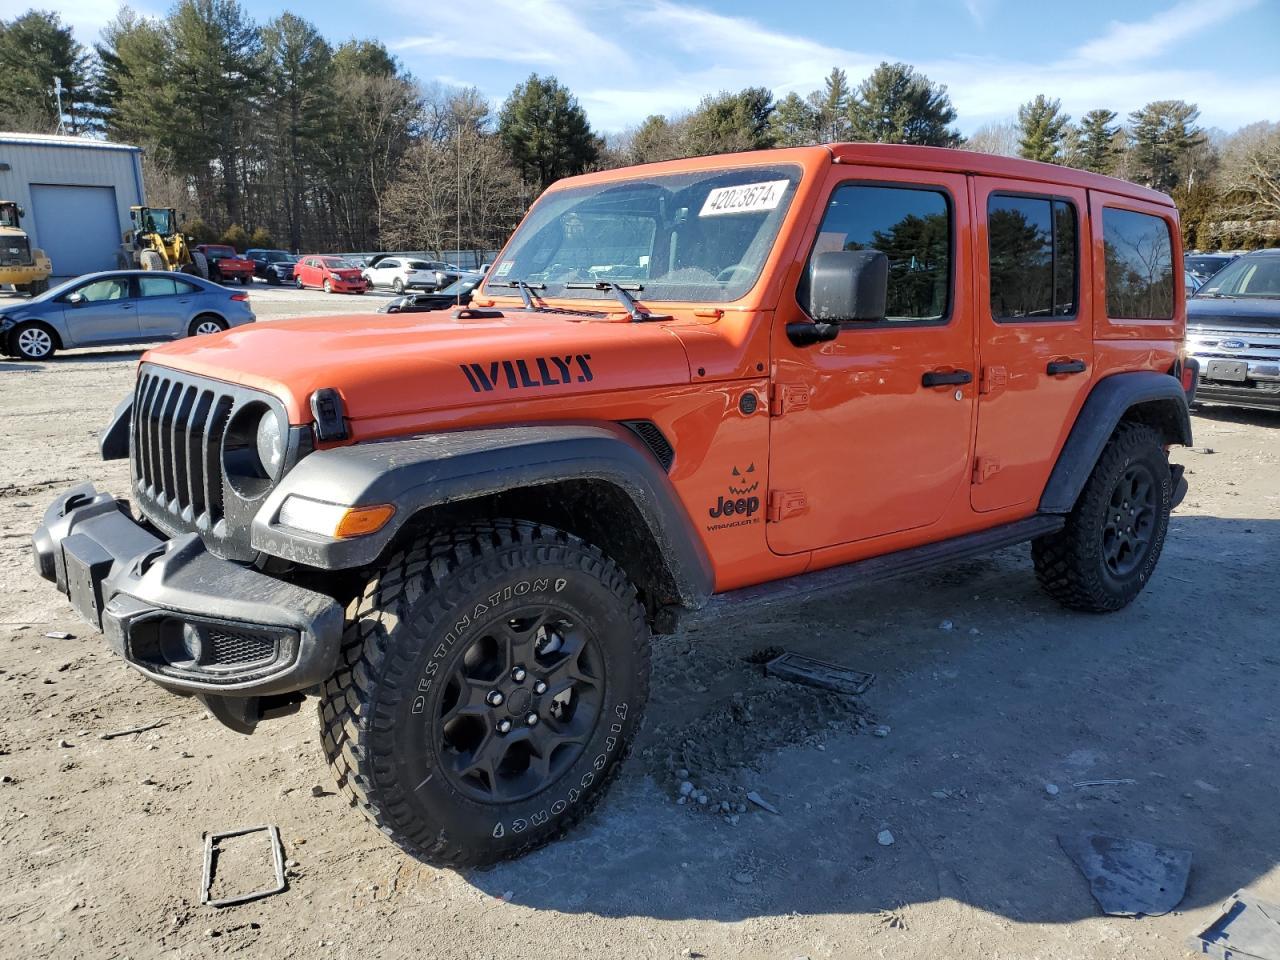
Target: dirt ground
989, 693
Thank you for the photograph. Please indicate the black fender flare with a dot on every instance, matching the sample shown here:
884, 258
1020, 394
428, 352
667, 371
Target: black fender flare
1154, 398
420, 472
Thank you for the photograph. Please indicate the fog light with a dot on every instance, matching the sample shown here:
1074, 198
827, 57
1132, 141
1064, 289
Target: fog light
192, 642
333, 519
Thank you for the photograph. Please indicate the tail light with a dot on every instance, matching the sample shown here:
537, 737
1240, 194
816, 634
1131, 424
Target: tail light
242, 297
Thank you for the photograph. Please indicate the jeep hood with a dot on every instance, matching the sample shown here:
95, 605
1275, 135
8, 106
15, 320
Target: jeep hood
395, 364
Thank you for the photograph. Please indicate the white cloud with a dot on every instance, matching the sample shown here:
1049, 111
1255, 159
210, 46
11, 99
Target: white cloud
1148, 38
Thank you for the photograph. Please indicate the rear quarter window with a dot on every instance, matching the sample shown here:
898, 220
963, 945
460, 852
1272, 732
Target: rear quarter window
1139, 265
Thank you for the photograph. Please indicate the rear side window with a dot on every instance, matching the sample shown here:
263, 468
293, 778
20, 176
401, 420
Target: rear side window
159, 287
1033, 257
1139, 265
912, 227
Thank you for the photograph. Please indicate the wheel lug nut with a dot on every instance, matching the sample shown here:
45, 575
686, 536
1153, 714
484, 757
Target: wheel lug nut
540, 687
518, 674
495, 698
531, 719
504, 726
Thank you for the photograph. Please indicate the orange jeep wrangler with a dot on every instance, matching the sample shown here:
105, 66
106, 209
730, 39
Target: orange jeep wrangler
683, 385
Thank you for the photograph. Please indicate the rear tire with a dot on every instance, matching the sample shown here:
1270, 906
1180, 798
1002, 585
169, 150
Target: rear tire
397, 286
1112, 540
201, 263
38, 287
33, 342
434, 724
205, 325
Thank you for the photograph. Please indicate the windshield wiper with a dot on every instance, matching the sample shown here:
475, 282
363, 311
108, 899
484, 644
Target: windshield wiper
620, 291
524, 287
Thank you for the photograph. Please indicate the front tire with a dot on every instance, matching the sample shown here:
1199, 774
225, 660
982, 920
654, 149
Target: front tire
328, 287
492, 679
1112, 540
33, 342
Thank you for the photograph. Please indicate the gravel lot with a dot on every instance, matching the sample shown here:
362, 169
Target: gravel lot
989, 692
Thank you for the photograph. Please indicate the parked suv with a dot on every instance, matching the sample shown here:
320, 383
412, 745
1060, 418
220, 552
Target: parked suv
273, 266
828, 365
1233, 331
402, 273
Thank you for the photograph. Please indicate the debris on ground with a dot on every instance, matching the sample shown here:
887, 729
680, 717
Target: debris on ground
884, 838
212, 849
819, 673
59, 635
1247, 929
763, 804
317, 791
126, 732
882, 730
892, 919
1102, 783
1051, 789
1129, 878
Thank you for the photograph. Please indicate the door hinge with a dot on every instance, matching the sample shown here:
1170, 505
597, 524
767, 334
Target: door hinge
786, 503
994, 379
787, 398
984, 468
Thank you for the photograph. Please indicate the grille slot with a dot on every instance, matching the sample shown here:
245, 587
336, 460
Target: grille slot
229, 647
178, 422
652, 437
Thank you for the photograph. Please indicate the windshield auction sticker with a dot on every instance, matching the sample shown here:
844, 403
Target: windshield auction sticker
745, 198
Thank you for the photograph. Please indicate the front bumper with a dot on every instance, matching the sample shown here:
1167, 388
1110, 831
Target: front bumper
190, 621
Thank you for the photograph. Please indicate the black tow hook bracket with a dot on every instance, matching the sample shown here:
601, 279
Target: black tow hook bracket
329, 413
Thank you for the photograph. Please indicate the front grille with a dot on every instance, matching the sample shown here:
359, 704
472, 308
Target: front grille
232, 648
15, 251
178, 423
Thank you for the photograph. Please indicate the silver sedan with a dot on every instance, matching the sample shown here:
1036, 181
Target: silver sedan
118, 307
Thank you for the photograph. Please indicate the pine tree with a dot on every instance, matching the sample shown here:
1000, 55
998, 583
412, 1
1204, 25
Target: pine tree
1043, 126
833, 111
794, 122
1163, 135
897, 104
546, 131
1094, 146
729, 122
36, 50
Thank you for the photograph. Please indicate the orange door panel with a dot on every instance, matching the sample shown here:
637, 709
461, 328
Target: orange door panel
870, 433
1035, 333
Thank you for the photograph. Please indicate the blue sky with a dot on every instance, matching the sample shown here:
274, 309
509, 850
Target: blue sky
625, 59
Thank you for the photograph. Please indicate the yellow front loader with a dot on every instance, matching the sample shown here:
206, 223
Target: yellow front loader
156, 243
27, 269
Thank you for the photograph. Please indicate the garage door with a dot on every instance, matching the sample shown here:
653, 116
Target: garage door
79, 227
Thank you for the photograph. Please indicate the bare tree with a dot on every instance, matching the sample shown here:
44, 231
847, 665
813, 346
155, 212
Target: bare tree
1000, 139
1251, 171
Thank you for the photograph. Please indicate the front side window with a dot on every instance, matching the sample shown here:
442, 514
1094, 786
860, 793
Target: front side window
1033, 257
910, 226
700, 236
102, 290
1139, 265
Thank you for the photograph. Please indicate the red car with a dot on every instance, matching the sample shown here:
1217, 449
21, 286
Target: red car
225, 265
332, 274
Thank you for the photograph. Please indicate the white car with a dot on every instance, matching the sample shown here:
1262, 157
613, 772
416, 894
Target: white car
409, 273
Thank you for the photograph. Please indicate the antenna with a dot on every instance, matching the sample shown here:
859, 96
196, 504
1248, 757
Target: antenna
457, 296
57, 93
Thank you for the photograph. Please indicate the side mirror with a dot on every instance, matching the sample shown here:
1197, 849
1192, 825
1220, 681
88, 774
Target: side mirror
849, 285
22, 212
76, 299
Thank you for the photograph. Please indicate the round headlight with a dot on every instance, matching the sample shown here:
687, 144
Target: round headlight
271, 444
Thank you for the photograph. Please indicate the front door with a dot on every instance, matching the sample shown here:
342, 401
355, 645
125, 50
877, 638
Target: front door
1035, 335
102, 311
870, 433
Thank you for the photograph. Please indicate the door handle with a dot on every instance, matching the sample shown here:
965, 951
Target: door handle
947, 378
1057, 367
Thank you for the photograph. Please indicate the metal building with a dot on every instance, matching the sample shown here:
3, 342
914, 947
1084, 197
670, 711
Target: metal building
77, 194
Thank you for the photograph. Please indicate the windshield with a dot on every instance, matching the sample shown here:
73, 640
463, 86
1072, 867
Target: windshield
1246, 277
459, 287
8, 214
335, 263
700, 236
281, 258
1206, 266
214, 251
157, 221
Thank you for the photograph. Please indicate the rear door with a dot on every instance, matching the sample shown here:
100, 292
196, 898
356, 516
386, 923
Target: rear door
1035, 334
165, 306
